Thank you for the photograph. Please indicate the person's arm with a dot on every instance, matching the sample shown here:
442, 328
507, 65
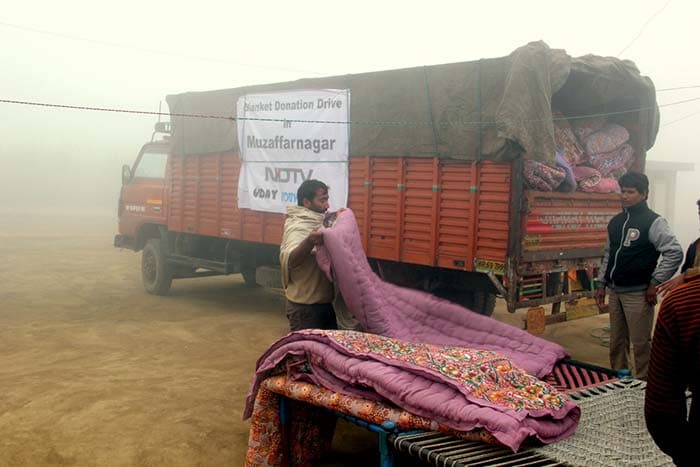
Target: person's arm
600, 282
299, 254
669, 285
690, 256
665, 407
665, 242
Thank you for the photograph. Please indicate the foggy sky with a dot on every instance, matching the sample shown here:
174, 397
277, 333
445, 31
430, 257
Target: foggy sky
68, 159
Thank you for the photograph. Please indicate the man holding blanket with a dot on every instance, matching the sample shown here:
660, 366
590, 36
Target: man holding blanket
309, 292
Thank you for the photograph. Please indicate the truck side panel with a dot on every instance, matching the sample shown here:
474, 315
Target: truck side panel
203, 200
432, 212
231, 216
414, 210
492, 222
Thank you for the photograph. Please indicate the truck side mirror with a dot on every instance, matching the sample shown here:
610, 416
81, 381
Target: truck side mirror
126, 174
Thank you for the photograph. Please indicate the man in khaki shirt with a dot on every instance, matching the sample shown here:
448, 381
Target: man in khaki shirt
309, 292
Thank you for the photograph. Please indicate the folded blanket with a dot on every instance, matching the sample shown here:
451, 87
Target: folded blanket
590, 180
607, 139
541, 177
566, 141
584, 127
614, 163
461, 388
586, 177
606, 185
416, 316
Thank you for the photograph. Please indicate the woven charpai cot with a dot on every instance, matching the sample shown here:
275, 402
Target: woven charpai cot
612, 432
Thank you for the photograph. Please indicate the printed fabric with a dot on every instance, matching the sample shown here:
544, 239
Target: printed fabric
606, 140
310, 426
584, 127
566, 141
415, 316
461, 388
542, 177
614, 163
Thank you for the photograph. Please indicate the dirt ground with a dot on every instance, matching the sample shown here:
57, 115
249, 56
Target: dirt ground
94, 371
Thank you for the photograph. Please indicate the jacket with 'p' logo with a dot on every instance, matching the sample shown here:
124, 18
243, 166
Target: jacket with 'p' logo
632, 256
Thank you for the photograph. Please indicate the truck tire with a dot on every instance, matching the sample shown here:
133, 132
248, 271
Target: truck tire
250, 277
156, 273
483, 302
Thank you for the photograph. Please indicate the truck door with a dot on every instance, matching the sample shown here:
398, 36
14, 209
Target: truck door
142, 199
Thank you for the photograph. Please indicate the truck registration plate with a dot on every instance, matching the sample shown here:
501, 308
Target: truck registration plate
486, 265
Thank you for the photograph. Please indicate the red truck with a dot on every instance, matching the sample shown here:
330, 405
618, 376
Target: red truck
442, 206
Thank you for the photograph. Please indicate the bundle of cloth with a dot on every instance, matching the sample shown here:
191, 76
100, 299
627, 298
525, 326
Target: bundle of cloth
426, 355
592, 154
462, 388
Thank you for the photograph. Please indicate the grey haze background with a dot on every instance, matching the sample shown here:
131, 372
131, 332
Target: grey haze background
134, 53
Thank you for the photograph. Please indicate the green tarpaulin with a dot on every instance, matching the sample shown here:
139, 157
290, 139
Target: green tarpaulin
493, 109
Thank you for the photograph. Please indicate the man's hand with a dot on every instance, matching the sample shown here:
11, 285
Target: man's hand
600, 298
316, 237
304, 249
669, 285
651, 295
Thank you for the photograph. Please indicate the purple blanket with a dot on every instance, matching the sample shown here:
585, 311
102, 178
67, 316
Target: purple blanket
426, 355
411, 315
462, 388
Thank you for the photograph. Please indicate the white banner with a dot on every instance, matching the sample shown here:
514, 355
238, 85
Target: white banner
288, 137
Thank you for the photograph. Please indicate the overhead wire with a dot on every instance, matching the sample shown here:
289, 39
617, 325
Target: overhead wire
337, 122
678, 88
680, 119
641, 30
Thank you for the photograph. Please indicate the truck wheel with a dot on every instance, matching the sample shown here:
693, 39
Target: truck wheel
156, 273
250, 277
483, 302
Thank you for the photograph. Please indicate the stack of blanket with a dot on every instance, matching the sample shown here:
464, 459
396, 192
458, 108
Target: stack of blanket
425, 355
591, 151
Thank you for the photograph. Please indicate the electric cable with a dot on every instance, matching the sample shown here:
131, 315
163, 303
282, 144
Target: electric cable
680, 119
641, 30
339, 122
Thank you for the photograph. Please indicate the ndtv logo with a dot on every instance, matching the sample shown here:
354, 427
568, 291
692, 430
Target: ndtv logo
286, 175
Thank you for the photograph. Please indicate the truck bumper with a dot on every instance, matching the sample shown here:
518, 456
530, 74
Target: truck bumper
122, 241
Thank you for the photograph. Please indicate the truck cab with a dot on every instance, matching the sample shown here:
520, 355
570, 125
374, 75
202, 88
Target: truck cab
142, 209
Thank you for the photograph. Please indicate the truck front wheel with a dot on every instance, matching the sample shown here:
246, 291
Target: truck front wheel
156, 273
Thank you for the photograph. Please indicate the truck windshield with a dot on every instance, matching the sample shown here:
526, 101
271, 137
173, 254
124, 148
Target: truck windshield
151, 165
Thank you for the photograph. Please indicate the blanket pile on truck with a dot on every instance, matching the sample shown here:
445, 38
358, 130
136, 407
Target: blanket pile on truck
492, 109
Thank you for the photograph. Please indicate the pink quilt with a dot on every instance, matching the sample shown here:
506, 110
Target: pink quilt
609, 138
411, 315
566, 141
461, 388
584, 127
542, 177
614, 163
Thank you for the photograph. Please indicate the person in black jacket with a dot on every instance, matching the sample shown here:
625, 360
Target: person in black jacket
631, 271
